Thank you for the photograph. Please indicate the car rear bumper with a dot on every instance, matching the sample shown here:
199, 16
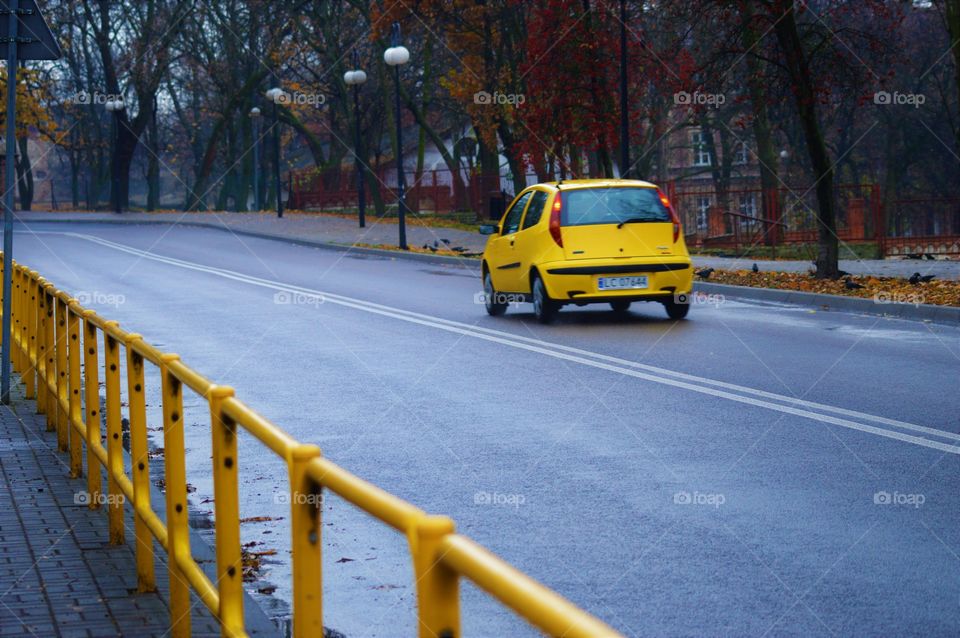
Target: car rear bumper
575, 281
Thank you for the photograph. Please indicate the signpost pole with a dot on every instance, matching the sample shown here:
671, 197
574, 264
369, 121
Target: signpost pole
9, 184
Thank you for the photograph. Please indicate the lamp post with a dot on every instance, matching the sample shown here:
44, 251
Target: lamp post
276, 96
355, 78
115, 108
624, 115
396, 56
255, 118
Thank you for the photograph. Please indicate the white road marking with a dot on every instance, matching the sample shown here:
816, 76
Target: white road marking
693, 383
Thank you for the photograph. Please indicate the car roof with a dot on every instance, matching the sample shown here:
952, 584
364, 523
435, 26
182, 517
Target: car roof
598, 183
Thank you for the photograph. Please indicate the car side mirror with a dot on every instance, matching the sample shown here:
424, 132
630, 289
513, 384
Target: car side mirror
489, 229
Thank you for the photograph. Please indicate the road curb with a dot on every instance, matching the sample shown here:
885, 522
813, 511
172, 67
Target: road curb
947, 315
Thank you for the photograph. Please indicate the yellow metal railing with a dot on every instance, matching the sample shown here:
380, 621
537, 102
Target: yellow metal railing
52, 334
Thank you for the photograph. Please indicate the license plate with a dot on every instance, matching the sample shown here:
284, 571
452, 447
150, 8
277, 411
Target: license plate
622, 283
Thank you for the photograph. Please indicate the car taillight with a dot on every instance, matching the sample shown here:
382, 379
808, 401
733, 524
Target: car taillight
555, 220
673, 215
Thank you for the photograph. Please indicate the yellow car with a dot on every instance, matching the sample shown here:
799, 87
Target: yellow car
587, 241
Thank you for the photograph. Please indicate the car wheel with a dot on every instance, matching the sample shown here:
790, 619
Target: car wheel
676, 310
494, 308
544, 307
620, 306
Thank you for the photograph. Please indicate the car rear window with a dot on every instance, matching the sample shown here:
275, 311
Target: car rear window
613, 205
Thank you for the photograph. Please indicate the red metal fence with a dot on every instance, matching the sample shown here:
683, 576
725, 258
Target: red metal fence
437, 191
772, 217
743, 217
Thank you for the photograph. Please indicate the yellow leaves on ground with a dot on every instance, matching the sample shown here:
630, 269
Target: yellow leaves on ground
886, 289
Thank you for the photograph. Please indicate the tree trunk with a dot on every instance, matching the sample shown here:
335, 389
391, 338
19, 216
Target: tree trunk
762, 130
953, 24
74, 178
798, 67
153, 163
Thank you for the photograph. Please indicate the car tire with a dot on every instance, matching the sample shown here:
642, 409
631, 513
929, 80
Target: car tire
620, 306
494, 308
544, 307
676, 310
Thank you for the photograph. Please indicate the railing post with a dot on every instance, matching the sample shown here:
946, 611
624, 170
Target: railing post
111, 364
146, 580
63, 421
15, 299
438, 588
30, 332
226, 513
91, 386
50, 349
41, 334
305, 508
75, 382
175, 477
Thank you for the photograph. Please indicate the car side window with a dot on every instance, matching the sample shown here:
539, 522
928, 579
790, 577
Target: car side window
535, 210
511, 221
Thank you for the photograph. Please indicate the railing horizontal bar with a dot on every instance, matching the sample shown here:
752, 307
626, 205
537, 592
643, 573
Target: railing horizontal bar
80, 427
99, 451
393, 511
126, 486
193, 380
540, 606
147, 351
200, 583
156, 526
267, 433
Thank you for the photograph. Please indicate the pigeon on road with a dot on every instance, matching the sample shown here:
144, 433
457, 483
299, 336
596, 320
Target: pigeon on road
755, 268
704, 274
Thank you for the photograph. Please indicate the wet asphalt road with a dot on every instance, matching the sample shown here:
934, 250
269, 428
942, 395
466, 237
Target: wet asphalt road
754, 470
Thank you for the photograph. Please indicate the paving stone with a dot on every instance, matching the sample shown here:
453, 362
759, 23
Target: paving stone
58, 574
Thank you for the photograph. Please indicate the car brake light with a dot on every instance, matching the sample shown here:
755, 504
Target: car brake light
673, 215
555, 220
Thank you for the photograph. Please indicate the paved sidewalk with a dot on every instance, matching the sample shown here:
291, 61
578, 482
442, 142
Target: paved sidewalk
58, 574
326, 229
300, 226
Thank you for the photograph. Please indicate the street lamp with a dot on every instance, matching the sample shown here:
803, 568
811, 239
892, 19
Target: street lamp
624, 116
395, 56
355, 78
115, 108
277, 96
255, 118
